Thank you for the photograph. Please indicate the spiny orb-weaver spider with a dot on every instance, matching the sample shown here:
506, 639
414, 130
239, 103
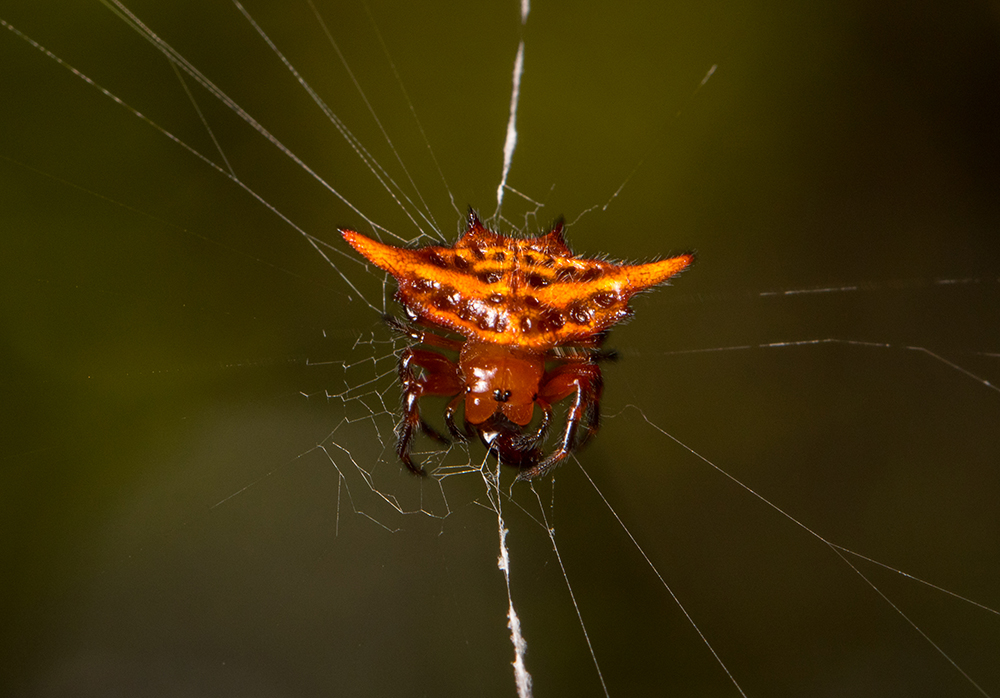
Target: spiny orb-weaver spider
532, 316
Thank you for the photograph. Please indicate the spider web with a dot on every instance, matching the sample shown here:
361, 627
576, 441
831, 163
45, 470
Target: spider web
204, 491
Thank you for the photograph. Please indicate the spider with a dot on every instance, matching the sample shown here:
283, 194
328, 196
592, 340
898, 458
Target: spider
532, 317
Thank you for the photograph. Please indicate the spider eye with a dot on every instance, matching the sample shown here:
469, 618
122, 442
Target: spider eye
501, 395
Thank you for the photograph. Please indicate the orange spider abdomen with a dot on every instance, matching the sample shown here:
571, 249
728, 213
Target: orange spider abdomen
530, 293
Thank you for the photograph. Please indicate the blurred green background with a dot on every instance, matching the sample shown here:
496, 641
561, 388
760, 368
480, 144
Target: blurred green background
170, 526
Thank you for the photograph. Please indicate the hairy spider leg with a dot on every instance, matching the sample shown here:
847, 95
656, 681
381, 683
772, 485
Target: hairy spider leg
431, 339
420, 336
584, 379
440, 377
449, 419
543, 426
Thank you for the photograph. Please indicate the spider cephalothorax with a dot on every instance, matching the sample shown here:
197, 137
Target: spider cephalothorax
532, 316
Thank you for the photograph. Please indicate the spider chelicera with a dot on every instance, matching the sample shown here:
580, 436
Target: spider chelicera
532, 317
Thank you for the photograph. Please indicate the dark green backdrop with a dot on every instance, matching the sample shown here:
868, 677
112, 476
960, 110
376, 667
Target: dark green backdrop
161, 330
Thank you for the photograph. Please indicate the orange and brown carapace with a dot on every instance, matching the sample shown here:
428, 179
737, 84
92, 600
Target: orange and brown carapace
518, 304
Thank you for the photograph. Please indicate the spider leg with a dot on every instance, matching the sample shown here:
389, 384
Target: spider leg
584, 381
433, 433
449, 418
543, 427
420, 336
593, 419
440, 378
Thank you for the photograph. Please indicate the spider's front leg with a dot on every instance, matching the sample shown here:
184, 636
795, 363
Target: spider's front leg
585, 380
440, 378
